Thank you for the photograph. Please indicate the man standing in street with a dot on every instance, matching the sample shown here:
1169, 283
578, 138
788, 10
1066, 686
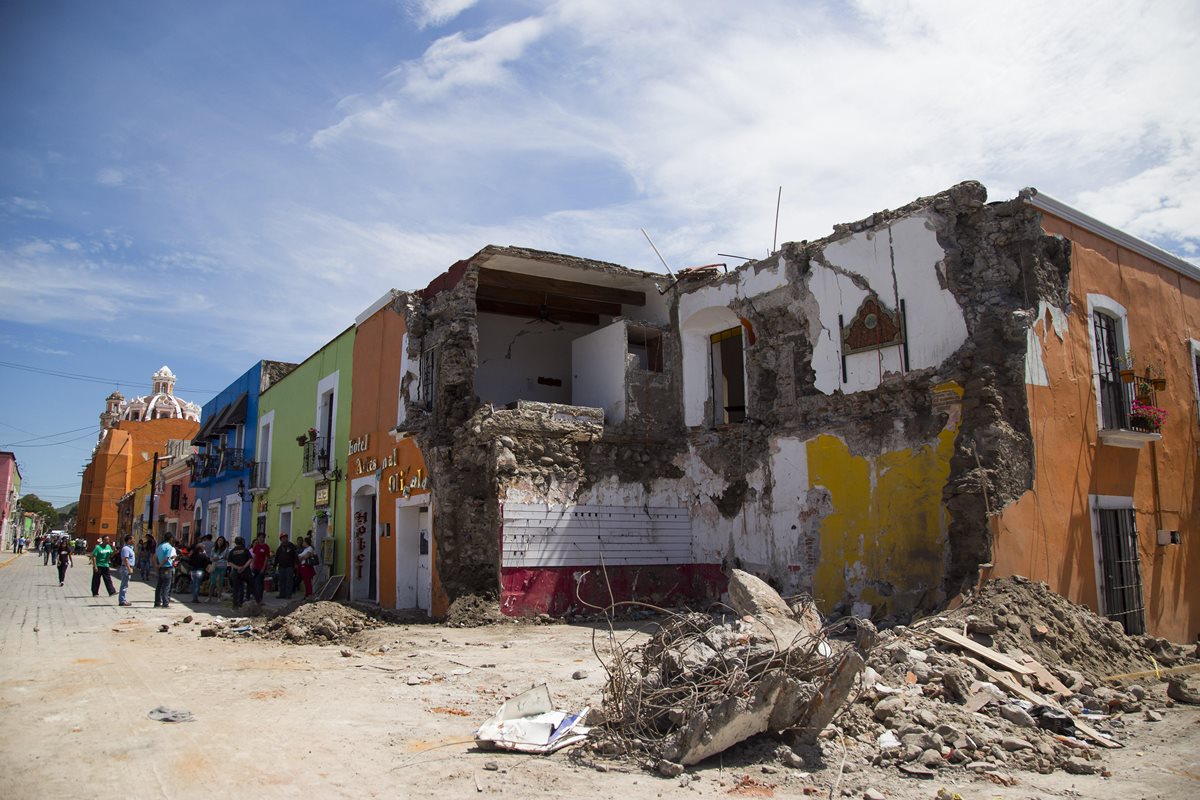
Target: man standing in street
285, 563
45, 551
260, 552
101, 560
127, 559
164, 559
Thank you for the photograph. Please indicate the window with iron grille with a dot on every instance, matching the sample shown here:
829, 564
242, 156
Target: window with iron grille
428, 369
1114, 403
1121, 571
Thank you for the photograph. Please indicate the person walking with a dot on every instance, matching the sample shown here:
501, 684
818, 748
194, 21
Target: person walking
198, 562
239, 570
307, 564
101, 560
64, 561
126, 569
53, 551
220, 565
260, 555
164, 559
45, 546
286, 560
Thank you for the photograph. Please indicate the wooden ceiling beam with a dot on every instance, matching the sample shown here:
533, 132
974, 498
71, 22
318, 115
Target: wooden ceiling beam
581, 291
535, 312
555, 301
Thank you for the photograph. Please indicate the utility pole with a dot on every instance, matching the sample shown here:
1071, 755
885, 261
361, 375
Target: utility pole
153, 486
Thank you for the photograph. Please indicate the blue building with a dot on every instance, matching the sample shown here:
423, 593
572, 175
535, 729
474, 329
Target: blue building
225, 472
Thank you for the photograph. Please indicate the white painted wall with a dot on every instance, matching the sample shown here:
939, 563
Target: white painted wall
900, 261
598, 371
514, 352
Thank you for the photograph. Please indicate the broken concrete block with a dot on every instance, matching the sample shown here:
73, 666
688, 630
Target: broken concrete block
1179, 691
771, 618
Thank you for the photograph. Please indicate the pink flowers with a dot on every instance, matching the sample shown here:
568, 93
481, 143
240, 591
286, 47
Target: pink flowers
1144, 415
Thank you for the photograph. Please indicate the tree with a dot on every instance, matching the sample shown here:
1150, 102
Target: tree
31, 503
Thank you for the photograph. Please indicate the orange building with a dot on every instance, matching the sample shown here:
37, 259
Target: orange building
123, 460
391, 556
1112, 520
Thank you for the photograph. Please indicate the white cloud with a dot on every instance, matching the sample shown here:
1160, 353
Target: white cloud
111, 176
24, 206
431, 13
706, 111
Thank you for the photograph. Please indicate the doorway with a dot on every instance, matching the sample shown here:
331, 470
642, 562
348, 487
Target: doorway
414, 553
364, 546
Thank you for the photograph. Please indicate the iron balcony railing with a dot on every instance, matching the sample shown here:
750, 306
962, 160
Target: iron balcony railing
210, 465
316, 455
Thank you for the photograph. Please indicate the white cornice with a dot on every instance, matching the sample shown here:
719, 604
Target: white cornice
1076, 217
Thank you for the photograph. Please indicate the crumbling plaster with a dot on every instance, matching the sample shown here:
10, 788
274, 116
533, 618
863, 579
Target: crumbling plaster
878, 490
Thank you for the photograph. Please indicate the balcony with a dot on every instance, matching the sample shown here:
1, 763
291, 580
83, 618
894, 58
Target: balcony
316, 456
210, 466
1129, 420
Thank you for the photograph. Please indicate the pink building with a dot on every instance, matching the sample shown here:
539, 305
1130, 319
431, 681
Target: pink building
10, 489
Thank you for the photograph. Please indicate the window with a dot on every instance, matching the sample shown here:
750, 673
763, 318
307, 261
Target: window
1114, 408
726, 368
646, 345
425, 384
1119, 566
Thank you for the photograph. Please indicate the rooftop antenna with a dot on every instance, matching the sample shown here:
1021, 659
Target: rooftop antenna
660, 258
775, 240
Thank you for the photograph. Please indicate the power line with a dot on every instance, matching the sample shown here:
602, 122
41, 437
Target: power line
56, 444
74, 376
50, 435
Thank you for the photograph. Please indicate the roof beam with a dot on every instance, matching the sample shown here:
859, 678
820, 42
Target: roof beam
550, 300
582, 291
536, 312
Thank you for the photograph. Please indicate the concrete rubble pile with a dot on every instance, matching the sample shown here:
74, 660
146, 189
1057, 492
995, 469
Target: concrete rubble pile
700, 685
1017, 678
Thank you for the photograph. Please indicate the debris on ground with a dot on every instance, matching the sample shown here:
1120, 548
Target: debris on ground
164, 714
1013, 679
473, 611
320, 622
529, 723
701, 685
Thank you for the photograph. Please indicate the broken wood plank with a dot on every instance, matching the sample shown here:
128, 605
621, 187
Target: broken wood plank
956, 638
1150, 673
1044, 678
506, 294
1009, 682
535, 312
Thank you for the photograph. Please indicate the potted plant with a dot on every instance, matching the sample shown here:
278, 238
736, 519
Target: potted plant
302, 440
1147, 417
312, 434
1125, 366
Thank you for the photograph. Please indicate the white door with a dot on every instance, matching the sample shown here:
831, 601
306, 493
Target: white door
424, 560
408, 543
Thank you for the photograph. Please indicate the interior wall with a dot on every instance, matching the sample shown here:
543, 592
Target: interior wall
598, 371
514, 352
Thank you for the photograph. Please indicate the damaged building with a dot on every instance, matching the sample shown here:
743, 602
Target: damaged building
849, 418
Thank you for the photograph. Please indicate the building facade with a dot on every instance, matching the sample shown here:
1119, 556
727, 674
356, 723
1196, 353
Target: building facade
10, 491
391, 543
225, 470
1113, 511
851, 418
302, 429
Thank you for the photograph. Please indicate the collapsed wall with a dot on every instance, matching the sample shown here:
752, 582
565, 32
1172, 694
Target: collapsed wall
839, 419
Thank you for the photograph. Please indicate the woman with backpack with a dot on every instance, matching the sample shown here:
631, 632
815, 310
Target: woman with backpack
64, 561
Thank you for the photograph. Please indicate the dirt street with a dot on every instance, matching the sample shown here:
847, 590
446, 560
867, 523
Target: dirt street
391, 718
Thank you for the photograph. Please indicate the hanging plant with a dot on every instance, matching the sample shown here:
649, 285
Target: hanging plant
1145, 416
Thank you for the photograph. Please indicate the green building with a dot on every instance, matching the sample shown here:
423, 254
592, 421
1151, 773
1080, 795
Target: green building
303, 433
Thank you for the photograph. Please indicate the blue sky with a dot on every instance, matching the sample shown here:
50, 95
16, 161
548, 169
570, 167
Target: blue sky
206, 184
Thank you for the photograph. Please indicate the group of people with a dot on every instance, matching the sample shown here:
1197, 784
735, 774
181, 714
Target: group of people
205, 562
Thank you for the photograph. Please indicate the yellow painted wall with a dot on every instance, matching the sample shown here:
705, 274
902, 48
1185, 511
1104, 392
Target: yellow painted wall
888, 523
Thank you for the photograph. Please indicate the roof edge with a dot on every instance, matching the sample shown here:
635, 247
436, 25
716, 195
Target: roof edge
1130, 242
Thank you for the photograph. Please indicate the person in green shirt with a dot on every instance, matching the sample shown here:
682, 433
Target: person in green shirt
101, 559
